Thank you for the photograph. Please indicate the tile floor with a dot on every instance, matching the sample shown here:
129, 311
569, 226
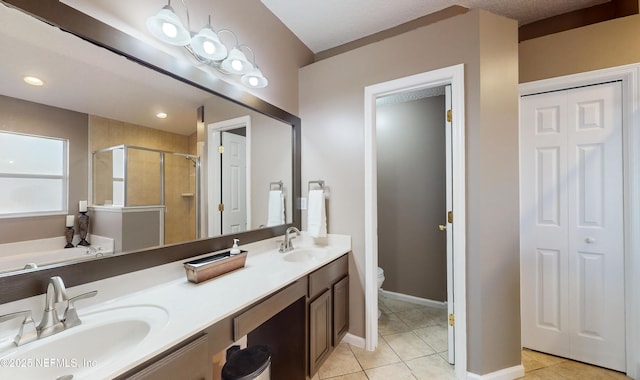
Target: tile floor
412, 344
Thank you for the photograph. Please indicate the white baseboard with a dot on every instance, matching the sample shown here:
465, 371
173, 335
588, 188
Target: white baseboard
413, 299
353, 340
503, 374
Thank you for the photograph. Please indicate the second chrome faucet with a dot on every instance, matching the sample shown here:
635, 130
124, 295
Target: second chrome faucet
50, 323
286, 245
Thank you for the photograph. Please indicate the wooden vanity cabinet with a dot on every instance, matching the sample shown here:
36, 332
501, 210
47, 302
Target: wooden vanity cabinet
328, 307
277, 321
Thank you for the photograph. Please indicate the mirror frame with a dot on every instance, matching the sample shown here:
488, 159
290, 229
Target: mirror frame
23, 284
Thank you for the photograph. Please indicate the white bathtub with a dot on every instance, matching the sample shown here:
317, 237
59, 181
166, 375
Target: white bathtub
14, 256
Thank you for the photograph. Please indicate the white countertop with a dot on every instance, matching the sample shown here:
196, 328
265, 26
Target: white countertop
190, 308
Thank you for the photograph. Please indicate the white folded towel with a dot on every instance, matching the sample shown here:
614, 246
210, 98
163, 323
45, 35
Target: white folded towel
275, 215
317, 220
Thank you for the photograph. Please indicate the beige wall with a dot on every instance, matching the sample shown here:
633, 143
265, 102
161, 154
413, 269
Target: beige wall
332, 110
606, 44
21, 116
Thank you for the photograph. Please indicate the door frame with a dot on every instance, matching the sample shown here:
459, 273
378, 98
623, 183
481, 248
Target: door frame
454, 76
629, 75
213, 184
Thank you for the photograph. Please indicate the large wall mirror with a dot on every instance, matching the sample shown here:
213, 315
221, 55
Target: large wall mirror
155, 187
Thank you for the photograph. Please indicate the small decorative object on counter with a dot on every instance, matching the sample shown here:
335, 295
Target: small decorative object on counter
68, 235
212, 266
235, 250
69, 232
83, 224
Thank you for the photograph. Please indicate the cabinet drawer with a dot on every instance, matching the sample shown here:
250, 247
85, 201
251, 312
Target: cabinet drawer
325, 277
190, 362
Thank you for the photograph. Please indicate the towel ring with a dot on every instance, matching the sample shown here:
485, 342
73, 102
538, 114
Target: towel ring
319, 182
279, 185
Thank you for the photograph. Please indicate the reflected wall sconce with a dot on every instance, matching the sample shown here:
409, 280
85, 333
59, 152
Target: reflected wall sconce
206, 46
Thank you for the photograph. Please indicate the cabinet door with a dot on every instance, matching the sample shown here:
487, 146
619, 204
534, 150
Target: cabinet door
319, 331
340, 309
190, 362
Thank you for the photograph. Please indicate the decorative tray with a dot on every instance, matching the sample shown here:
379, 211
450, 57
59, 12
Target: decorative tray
215, 265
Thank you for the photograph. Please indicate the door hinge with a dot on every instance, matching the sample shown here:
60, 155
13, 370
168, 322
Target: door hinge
221, 207
449, 116
221, 149
450, 216
452, 320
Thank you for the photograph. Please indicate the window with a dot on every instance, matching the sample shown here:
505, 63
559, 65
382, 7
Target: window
33, 175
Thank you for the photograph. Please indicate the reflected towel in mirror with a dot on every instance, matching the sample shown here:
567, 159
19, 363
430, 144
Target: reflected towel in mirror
316, 214
276, 208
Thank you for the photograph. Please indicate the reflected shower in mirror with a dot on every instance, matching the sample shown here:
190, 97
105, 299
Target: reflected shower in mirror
97, 100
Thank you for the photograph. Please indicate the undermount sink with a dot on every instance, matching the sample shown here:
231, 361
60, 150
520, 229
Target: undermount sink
305, 254
104, 337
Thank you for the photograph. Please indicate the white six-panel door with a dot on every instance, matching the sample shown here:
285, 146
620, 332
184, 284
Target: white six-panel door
572, 232
234, 183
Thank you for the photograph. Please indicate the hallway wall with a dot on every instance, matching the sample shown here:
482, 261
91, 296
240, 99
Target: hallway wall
332, 110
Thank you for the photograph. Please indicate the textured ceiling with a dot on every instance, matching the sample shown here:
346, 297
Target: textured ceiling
324, 24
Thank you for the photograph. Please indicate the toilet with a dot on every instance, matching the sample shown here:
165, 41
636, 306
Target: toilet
380, 281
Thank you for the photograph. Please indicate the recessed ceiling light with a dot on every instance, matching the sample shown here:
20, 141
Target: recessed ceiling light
34, 81
161, 115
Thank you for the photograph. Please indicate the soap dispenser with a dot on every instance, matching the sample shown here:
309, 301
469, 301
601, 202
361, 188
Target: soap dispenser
235, 250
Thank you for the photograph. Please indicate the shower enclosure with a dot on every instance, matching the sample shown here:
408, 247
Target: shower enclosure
158, 190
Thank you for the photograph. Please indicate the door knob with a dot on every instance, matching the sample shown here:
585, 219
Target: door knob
442, 227
590, 240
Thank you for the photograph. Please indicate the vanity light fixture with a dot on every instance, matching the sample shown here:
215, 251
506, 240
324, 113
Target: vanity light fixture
206, 46
34, 81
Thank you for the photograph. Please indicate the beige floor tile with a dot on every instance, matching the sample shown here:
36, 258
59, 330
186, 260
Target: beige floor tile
577, 371
383, 355
395, 305
408, 346
436, 336
532, 360
342, 361
352, 376
431, 367
391, 324
398, 371
423, 317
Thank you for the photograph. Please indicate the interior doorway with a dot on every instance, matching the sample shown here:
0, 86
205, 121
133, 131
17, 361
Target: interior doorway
453, 76
228, 195
412, 157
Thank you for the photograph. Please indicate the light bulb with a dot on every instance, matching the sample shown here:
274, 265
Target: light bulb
236, 64
253, 81
209, 47
169, 30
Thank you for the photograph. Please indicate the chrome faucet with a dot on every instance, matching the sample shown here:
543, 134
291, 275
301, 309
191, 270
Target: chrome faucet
286, 245
27, 331
50, 323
